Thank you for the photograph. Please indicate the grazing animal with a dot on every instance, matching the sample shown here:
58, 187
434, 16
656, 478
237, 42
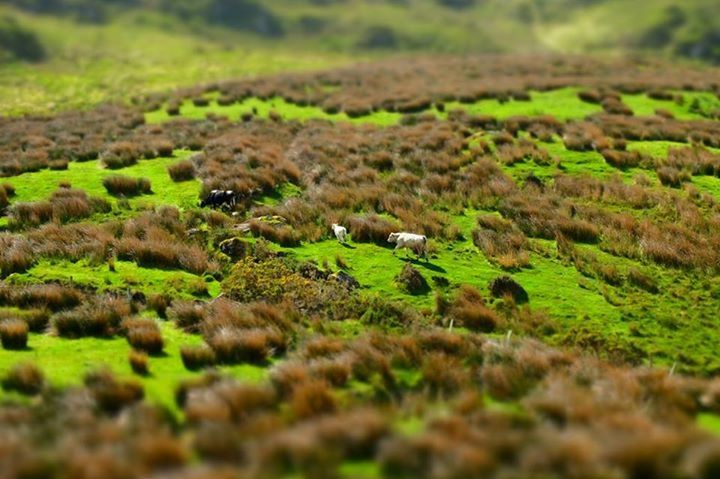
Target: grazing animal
415, 242
340, 232
219, 198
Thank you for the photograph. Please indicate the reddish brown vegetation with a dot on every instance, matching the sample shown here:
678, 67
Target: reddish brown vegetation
119, 185
197, 357
143, 335
182, 171
25, 378
100, 317
14, 333
139, 362
470, 311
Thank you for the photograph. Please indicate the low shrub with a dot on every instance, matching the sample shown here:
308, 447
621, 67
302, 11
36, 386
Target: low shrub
283, 235
52, 296
270, 280
110, 394
671, 176
8, 189
590, 96
144, 335
159, 303
120, 154
371, 229
101, 318
335, 371
36, 319
187, 315
182, 171
58, 165
234, 346
16, 257
197, 357
32, 214
505, 285
163, 252
442, 375
139, 362
25, 378
411, 280
311, 399
322, 347
4, 201
201, 101
502, 241
469, 310
14, 334
163, 148
119, 185
389, 314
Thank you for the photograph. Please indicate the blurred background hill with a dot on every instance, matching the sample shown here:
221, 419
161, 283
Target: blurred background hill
155, 44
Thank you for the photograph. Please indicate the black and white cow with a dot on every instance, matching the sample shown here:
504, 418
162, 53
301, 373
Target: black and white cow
219, 198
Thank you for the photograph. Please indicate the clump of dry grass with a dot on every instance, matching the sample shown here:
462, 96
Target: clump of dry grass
255, 345
121, 154
25, 378
110, 393
119, 185
502, 241
14, 334
197, 357
469, 310
139, 362
101, 317
187, 315
312, 398
182, 171
144, 335
411, 280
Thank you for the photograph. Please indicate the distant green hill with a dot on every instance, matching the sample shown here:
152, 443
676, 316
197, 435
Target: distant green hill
688, 28
59, 54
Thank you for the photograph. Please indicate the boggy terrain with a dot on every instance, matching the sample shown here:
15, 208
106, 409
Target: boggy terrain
564, 323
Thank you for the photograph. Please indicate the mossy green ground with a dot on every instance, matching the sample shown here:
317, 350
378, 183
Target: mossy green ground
549, 283
126, 275
691, 107
65, 361
562, 103
262, 108
89, 176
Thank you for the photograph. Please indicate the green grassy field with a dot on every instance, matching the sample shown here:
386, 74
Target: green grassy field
614, 310
66, 361
674, 327
89, 176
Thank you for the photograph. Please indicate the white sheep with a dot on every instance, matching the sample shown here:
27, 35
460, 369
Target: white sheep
415, 242
340, 232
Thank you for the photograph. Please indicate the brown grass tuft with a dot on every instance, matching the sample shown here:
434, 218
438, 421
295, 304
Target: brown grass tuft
182, 171
25, 378
119, 185
14, 334
197, 357
139, 362
312, 398
144, 335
